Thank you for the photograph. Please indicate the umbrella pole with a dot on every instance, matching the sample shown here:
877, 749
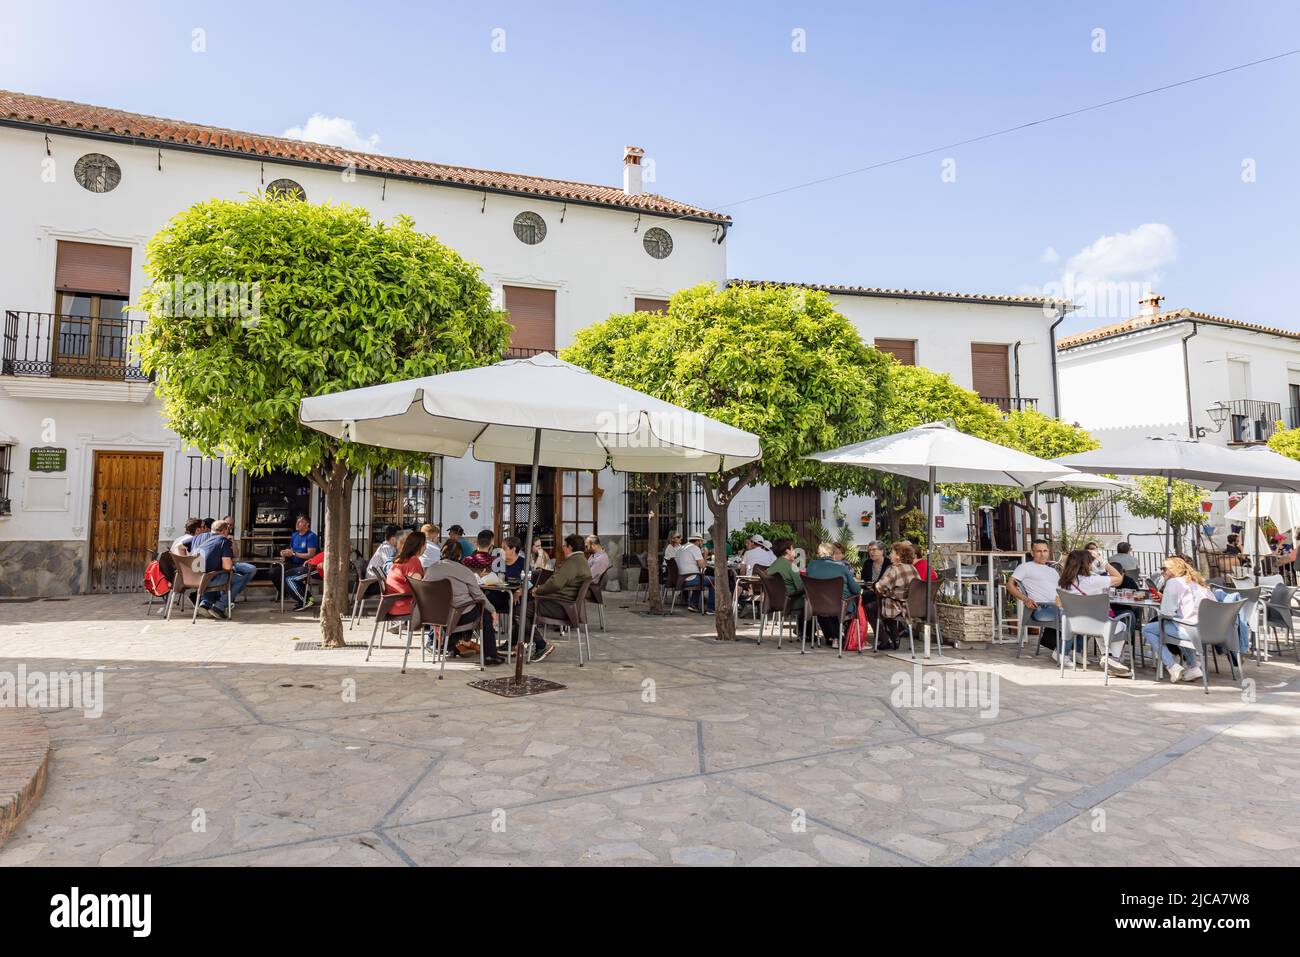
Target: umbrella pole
521, 647
1255, 545
929, 561
1169, 514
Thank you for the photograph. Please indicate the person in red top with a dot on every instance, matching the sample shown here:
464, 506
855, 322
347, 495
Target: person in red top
479, 561
405, 566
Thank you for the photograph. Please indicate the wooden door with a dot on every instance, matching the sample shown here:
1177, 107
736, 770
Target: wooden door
797, 506
124, 518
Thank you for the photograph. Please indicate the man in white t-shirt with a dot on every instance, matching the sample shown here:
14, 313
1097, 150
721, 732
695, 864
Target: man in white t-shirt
758, 552
1035, 583
691, 566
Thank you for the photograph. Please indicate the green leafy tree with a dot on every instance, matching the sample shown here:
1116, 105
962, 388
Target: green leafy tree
1148, 499
779, 362
345, 302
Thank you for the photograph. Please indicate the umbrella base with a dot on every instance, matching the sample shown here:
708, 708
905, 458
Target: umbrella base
933, 660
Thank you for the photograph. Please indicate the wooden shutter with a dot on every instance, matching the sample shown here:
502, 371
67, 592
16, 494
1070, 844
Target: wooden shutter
990, 370
904, 350
90, 267
532, 313
650, 305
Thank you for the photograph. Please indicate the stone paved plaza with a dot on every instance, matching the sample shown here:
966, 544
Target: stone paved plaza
223, 743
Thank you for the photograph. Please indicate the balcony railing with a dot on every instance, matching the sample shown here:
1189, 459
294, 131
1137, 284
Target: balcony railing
518, 352
1010, 404
1251, 421
71, 347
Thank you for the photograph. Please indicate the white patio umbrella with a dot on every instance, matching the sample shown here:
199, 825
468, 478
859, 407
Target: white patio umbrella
938, 453
539, 409
1210, 466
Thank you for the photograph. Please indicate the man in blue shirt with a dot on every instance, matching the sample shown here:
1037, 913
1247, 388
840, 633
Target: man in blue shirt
303, 544
218, 553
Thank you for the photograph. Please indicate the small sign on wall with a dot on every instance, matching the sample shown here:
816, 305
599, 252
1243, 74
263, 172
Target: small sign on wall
47, 459
475, 498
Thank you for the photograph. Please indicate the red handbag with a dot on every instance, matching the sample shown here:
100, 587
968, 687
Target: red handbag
859, 630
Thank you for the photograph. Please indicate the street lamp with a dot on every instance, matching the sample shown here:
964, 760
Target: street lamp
1218, 414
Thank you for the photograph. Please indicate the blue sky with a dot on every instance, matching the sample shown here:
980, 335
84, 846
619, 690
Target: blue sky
728, 111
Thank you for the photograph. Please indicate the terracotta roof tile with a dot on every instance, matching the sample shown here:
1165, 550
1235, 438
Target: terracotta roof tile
54, 114
882, 293
1168, 317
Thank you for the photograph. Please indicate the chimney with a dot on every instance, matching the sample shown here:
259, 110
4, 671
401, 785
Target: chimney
632, 170
1150, 304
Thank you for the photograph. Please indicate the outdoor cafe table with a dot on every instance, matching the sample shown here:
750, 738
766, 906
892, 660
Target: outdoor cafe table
511, 589
1145, 607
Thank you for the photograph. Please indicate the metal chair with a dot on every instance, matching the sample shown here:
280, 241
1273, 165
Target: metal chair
575, 618
677, 589
1027, 621
597, 596
917, 611
433, 604
190, 577
1216, 624
167, 567
383, 615
1278, 616
825, 599
1088, 616
777, 604
642, 579
367, 588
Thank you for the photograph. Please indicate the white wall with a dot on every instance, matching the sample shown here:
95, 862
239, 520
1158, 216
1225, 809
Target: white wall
594, 260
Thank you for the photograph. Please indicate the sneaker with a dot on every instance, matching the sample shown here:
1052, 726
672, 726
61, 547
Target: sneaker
1056, 657
1175, 673
1193, 674
1117, 666
207, 611
544, 653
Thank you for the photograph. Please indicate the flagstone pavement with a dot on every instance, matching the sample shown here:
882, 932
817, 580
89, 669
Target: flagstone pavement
235, 743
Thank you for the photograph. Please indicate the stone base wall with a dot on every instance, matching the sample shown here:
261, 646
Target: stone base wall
41, 569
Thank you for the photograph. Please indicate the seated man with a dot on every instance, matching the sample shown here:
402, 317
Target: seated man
784, 568
564, 583
479, 561
219, 556
597, 557
1126, 561
758, 552
692, 569
181, 545
825, 566
464, 590
1035, 583
303, 544
383, 557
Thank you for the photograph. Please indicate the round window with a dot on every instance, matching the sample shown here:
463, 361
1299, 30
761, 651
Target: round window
530, 228
658, 243
286, 188
97, 172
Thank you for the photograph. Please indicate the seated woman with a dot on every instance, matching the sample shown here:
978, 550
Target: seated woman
892, 587
405, 566
1184, 590
826, 566
872, 568
1077, 577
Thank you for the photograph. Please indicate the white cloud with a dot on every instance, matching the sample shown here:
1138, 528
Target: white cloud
334, 130
1138, 254
1050, 256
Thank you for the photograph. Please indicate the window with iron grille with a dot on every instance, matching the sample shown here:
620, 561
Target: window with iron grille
672, 510
1106, 520
407, 499
209, 487
5, 508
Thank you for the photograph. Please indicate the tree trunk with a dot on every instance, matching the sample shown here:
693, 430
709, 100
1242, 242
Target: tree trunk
337, 484
718, 500
654, 594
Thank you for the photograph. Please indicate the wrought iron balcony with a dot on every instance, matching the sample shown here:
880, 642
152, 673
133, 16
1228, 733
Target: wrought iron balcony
519, 352
51, 345
1251, 422
1010, 404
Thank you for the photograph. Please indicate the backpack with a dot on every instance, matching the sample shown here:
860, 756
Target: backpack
155, 582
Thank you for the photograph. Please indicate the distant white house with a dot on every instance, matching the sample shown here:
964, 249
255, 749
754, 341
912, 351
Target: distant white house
1179, 372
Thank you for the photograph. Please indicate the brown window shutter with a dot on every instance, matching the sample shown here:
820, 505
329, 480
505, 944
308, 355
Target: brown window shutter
904, 350
650, 305
91, 267
532, 313
990, 370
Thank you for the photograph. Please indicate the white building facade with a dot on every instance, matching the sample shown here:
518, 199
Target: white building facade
1185, 374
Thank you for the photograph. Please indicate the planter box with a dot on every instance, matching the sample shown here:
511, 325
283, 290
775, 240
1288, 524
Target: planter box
972, 625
